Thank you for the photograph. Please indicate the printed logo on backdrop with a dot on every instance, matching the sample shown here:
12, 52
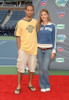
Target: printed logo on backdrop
59, 49
61, 14
43, 2
60, 26
61, 3
60, 60
61, 38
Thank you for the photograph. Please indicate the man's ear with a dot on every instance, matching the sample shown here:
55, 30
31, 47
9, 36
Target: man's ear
25, 10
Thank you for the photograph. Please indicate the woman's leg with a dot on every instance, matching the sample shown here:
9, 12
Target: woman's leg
46, 63
42, 82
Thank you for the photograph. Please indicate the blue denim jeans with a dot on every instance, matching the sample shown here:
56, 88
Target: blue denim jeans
44, 61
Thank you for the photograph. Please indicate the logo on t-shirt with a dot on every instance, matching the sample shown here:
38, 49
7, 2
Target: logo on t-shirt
30, 28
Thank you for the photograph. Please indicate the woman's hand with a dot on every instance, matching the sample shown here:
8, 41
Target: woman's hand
52, 55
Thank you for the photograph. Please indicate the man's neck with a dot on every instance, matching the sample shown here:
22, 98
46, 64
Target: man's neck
27, 18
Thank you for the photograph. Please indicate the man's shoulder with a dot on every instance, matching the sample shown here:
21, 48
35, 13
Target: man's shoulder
20, 21
34, 19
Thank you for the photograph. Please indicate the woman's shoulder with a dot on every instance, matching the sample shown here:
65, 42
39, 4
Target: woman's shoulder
52, 25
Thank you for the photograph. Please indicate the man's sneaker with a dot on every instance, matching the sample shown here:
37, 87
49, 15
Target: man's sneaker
43, 90
47, 89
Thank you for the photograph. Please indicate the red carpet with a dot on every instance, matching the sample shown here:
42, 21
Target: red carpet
59, 88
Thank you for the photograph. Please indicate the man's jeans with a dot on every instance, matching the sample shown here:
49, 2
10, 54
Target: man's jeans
44, 61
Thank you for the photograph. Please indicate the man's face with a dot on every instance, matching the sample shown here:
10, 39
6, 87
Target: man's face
29, 11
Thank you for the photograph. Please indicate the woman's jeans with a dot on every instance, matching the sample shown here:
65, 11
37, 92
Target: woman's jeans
44, 61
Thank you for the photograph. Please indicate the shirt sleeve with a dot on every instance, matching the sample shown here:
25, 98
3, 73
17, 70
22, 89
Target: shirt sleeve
54, 39
36, 25
18, 30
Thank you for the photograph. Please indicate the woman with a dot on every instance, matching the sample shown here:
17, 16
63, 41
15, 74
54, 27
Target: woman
46, 47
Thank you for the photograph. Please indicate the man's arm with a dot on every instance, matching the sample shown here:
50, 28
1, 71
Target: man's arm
18, 40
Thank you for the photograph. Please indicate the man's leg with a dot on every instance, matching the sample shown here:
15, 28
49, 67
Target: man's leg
19, 75
19, 78
21, 63
31, 66
30, 81
30, 78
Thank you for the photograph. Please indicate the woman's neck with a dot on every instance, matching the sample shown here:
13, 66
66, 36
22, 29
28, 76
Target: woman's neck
45, 23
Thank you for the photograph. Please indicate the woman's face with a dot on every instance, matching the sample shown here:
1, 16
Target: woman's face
44, 16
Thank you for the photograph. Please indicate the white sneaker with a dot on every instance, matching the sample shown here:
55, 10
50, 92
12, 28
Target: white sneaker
47, 89
43, 90
26, 68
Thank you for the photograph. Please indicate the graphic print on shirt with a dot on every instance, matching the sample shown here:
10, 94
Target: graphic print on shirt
46, 28
30, 28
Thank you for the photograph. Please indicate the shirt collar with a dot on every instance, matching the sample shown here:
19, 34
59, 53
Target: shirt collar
49, 23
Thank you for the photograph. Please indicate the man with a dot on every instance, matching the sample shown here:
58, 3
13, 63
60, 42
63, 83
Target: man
26, 38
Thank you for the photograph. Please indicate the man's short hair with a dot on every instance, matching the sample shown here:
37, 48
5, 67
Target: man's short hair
29, 5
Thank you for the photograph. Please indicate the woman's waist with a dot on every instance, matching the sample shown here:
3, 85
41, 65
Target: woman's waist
45, 45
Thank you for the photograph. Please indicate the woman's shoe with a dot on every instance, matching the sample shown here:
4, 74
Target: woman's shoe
43, 90
47, 89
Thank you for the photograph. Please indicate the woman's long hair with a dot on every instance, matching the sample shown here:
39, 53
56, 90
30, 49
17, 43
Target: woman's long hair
40, 21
